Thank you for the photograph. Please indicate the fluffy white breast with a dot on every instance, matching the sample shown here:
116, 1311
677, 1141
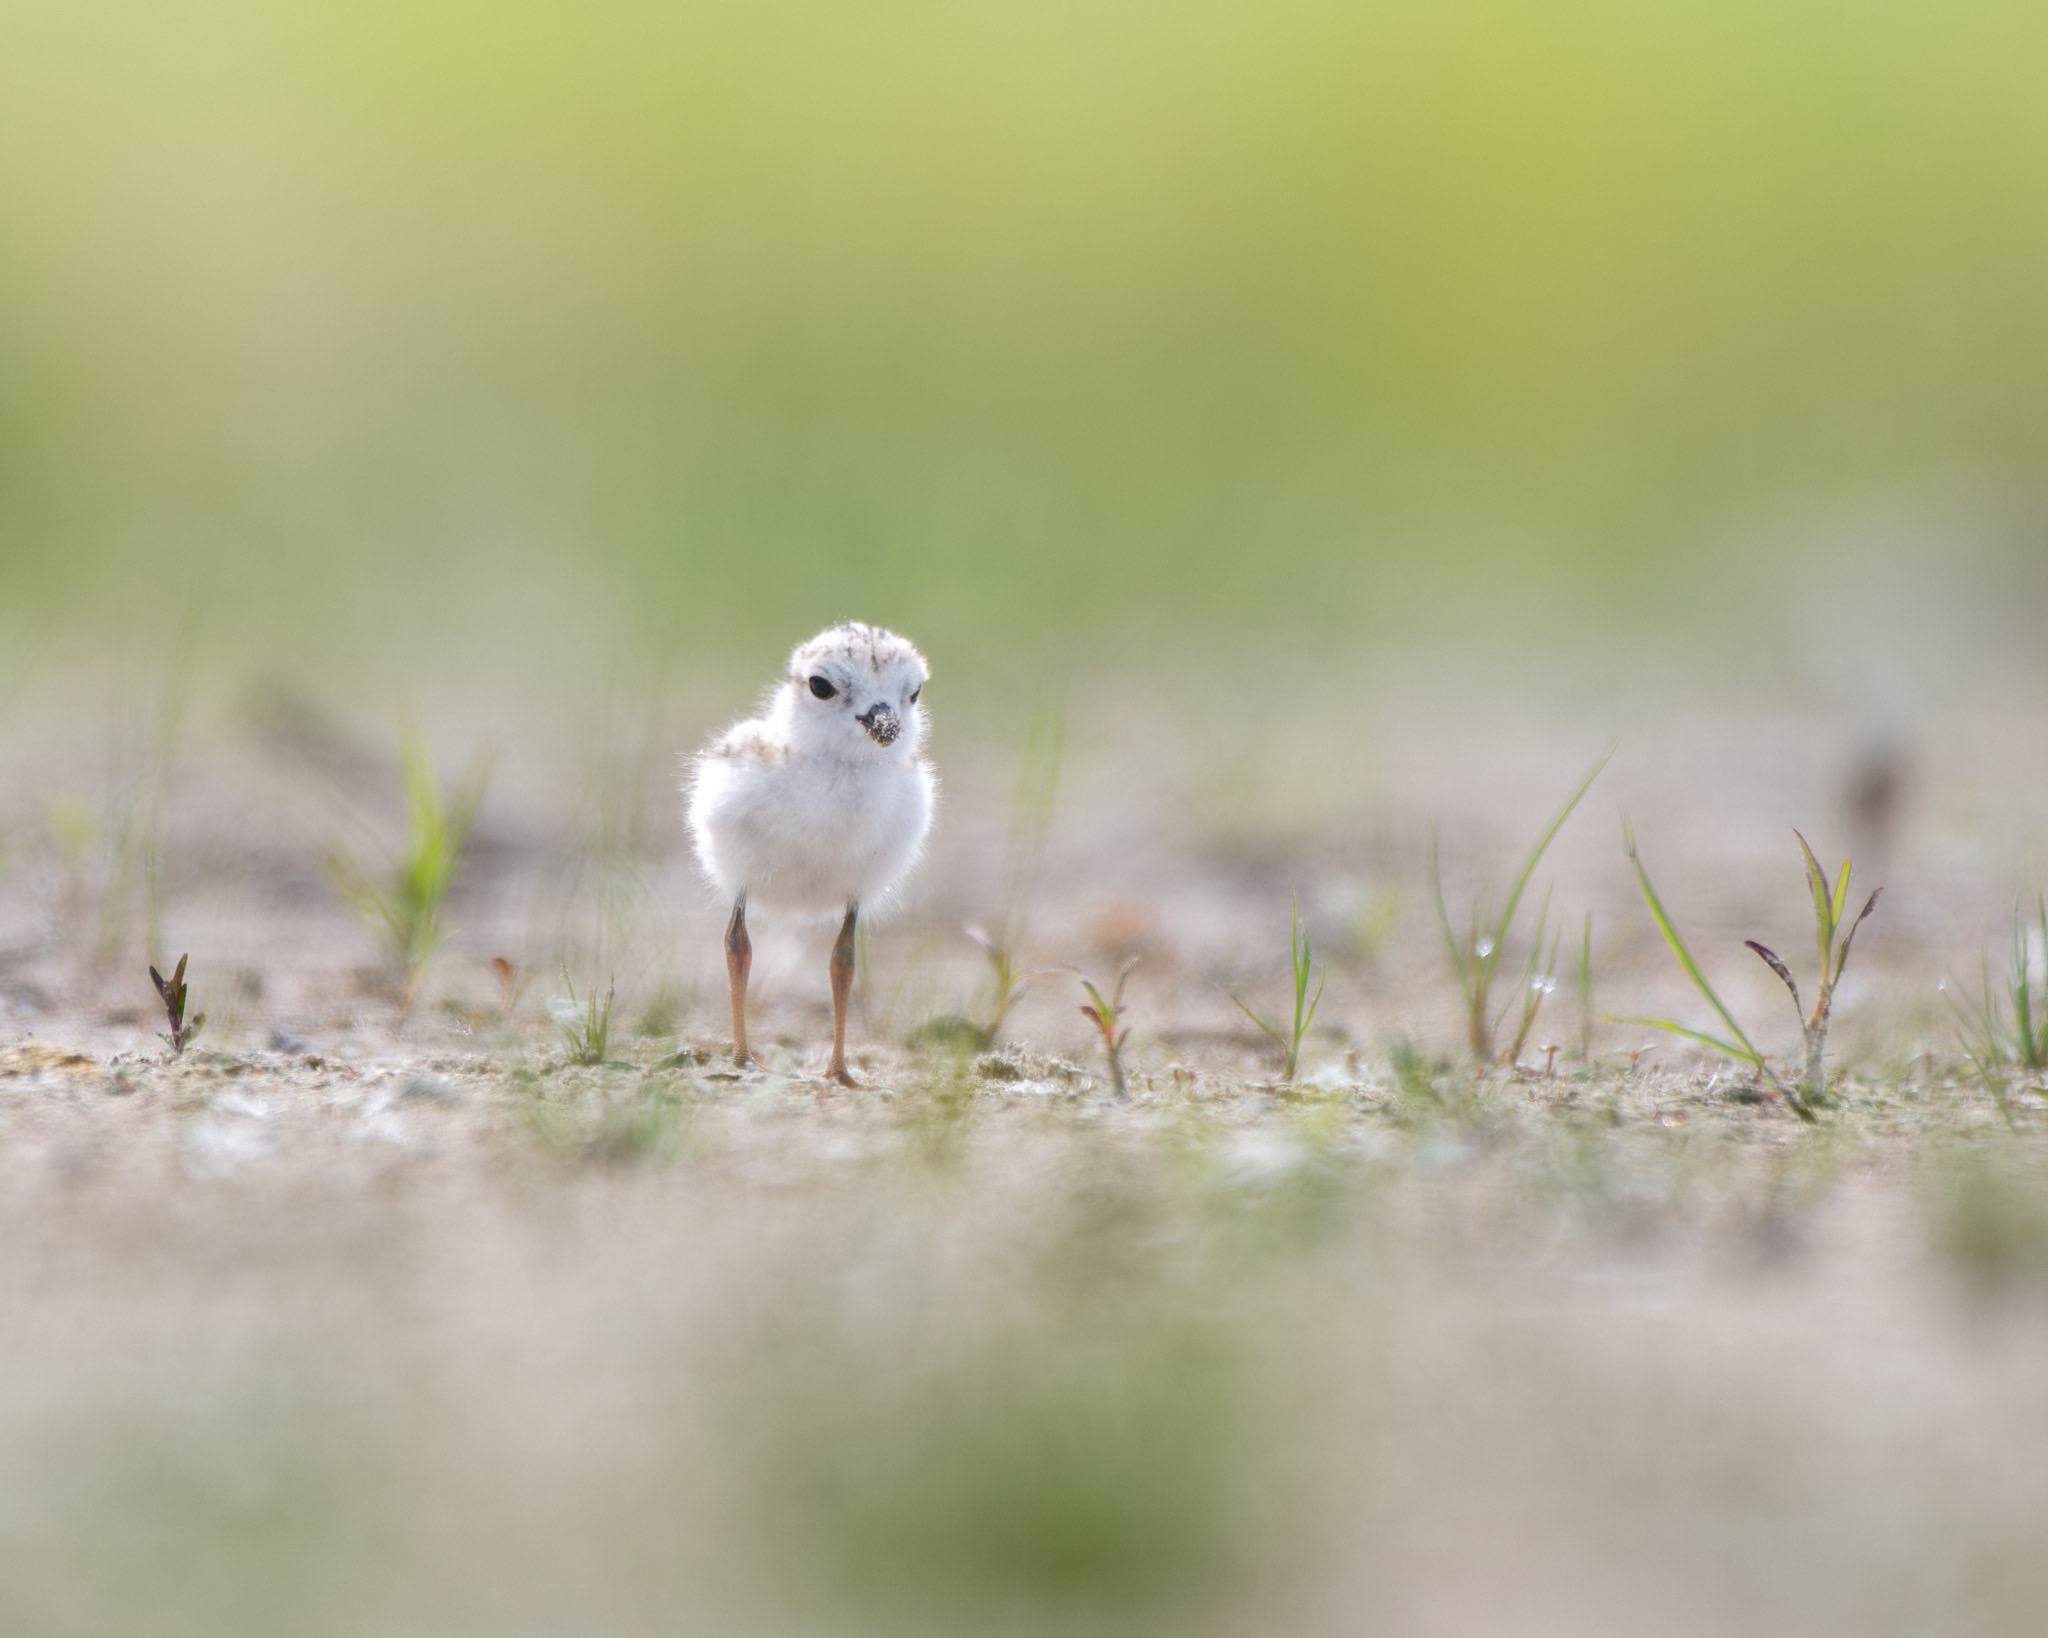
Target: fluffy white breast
800, 809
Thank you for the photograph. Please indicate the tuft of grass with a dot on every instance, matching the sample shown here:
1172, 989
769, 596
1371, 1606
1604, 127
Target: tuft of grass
1829, 902
948, 1032
646, 1126
1429, 1092
1990, 1213
662, 1017
1088, 1455
586, 1025
1303, 959
403, 902
171, 991
1476, 957
644, 1119
935, 1116
2007, 1027
1103, 1012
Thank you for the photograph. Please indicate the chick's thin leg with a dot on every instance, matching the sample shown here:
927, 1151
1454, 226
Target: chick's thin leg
739, 960
842, 988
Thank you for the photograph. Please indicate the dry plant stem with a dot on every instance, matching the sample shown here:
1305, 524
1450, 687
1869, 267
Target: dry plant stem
739, 960
842, 988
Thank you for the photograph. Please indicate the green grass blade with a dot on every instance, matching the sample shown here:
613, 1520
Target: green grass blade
1849, 938
1299, 953
1823, 919
2028, 1048
1585, 988
1841, 895
1273, 1034
1678, 949
1745, 1055
1443, 916
1507, 913
1978, 1029
1314, 1001
1529, 969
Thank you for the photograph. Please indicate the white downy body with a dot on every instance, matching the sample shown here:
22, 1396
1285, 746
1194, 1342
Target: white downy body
820, 802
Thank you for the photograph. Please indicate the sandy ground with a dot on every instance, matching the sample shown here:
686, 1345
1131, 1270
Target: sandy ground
346, 1322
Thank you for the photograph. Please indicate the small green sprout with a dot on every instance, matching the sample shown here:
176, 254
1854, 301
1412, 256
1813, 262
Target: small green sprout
1304, 1004
1103, 1012
171, 991
1476, 958
1828, 904
404, 904
586, 1025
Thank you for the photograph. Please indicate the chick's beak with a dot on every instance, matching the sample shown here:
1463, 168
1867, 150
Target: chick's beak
880, 722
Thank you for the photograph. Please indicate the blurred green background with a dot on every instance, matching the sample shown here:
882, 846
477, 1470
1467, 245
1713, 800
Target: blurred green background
502, 336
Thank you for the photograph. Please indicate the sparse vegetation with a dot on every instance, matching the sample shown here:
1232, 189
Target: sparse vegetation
1302, 960
1476, 954
402, 902
1030, 1339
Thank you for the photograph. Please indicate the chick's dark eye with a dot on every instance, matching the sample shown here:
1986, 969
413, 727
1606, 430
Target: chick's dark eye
919, 689
823, 689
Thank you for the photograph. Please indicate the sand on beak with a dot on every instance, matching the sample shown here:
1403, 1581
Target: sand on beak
881, 723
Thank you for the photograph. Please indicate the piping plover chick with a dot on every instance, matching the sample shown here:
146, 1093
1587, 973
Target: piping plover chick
820, 804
